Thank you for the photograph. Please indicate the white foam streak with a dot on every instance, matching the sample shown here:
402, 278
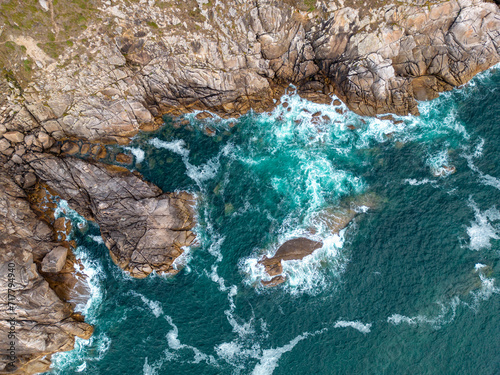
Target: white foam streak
97, 239
485, 179
175, 344
244, 329
447, 314
361, 327
270, 357
237, 355
176, 146
154, 306
414, 182
449, 309
148, 369
487, 290
200, 173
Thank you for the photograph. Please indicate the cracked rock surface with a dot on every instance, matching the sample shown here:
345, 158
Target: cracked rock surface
137, 61
44, 323
133, 61
144, 228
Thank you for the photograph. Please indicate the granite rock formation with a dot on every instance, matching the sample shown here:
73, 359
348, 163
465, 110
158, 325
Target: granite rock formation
137, 61
44, 323
99, 71
144, 228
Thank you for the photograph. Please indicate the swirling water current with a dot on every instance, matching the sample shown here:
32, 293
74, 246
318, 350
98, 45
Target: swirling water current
409, 287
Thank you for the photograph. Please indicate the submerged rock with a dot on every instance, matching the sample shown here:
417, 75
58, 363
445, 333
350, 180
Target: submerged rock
144, 228
334, 218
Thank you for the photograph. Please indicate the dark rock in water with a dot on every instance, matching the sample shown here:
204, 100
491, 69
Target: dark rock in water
144, 228
295, 249
274, 281
334, 218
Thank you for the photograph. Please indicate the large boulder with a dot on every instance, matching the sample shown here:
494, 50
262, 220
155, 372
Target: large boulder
55, 260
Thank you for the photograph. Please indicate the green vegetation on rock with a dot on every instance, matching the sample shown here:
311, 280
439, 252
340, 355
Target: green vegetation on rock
27, 19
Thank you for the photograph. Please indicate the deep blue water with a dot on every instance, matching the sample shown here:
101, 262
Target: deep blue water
410, 287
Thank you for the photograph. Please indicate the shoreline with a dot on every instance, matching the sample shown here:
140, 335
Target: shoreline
124, 79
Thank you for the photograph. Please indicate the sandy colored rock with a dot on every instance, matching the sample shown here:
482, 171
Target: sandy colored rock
55, 260
124, 158
144, 228
45, 140
28, 140
29, 180
377, 58
70, 148
44, 323
4, 144
14, 136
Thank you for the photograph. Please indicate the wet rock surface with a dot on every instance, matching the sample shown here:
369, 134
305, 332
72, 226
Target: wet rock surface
294, 249
335, 218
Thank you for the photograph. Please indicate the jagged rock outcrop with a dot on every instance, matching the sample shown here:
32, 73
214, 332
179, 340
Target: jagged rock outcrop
144, 228
139, 61
43, 323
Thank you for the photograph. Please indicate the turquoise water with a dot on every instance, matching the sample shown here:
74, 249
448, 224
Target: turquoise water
409, 287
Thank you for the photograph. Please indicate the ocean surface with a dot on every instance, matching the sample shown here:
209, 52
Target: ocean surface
411, 286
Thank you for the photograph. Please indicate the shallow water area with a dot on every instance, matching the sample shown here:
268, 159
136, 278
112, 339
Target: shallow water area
409, 286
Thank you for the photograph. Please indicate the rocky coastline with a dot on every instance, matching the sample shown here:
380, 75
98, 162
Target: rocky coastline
74, 82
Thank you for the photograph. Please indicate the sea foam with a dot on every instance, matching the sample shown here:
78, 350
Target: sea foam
154, 306
484, 228
361, 327
137, 152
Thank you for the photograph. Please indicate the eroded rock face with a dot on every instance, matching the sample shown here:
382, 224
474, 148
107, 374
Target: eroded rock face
233, 56
144, 228
44, 324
